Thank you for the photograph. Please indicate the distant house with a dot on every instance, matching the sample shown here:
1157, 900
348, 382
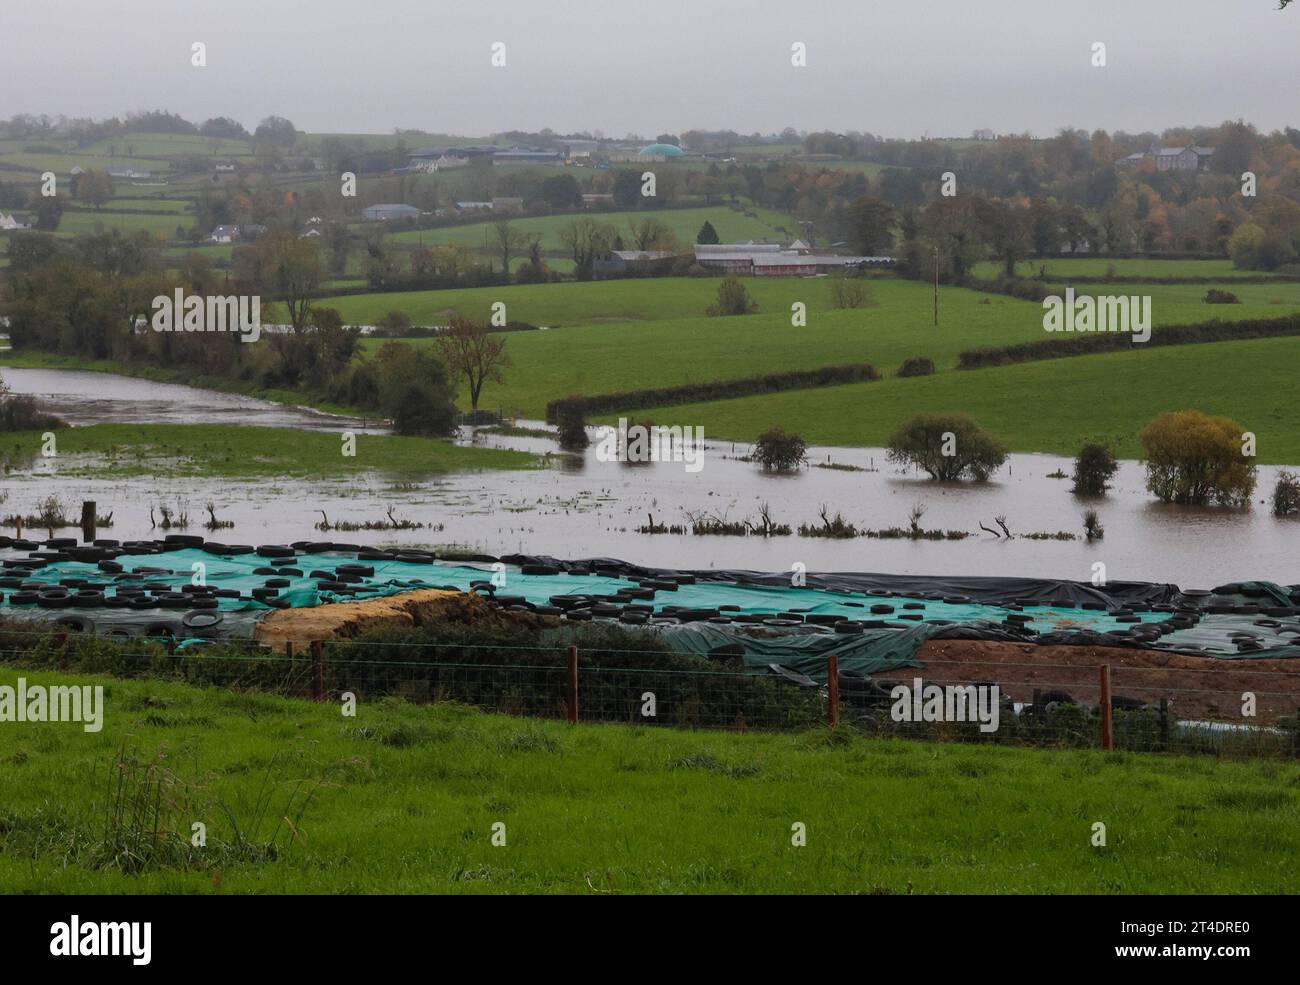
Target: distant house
77, 170
224, 166
591, 200
507, 204
128, 173
224, 234
383, 213
580, 149
1189, 158
310, 234
13, 222
315, 221
474, 206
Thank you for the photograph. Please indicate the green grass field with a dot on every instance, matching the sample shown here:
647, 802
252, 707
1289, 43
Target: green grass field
170, 145
1050, 406
732, 226
104, 451
404, 799
159, 224
610, 349
1067, 267
170, 205
62, 164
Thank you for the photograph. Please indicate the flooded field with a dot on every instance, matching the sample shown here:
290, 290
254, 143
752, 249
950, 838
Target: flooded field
584, 507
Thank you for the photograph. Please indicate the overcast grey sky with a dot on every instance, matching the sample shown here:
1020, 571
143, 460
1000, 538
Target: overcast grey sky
898, 68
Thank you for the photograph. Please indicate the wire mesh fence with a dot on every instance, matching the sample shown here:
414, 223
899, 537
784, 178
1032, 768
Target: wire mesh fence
1243, 709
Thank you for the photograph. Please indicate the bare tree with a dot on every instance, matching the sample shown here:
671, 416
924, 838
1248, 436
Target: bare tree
471, 351
509, 241
586, 240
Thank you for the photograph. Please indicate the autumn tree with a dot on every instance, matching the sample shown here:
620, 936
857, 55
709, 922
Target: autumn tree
94, 187
289, 271
1195, 459
470, 351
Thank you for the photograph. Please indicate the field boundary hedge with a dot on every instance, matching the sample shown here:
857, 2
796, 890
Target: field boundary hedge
806, 379
1082, 344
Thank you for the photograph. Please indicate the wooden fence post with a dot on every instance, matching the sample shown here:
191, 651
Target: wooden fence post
833, 690
88, 521
317, 671
573, 682
1107, 720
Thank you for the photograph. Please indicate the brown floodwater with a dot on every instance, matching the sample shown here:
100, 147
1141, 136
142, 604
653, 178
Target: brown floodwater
584, 507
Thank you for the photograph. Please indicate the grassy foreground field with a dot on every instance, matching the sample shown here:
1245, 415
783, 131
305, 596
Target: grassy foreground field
404, 798
172, 450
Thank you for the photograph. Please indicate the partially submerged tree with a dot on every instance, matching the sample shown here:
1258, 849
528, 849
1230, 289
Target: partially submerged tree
473, 353
1195, 459
947, 447
413, 389
1286, 494
571, 420
778, 450
1094, 467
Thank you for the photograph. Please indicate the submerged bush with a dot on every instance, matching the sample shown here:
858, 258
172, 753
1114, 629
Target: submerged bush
1197, 460
1286, 494
1094, 467
572, 421
777, 450
948, 447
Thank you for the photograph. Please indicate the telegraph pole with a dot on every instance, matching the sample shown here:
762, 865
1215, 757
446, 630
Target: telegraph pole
936, 286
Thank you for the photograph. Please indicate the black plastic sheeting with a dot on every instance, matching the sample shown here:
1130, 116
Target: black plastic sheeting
988, 590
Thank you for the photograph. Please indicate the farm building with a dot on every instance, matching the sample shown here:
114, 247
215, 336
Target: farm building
618, 262
527, 155
224, 234
1189, 158
773, 260
382, 213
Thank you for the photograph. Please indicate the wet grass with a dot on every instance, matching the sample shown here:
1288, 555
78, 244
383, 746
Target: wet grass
404, 798
683, 346
104, 451
1052, 406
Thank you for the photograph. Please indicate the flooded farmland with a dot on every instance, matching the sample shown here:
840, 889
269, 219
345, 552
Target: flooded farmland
583, 507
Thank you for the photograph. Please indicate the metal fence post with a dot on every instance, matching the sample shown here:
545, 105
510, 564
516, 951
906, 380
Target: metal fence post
833, 690
573, 682
1107, 720
317, 671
